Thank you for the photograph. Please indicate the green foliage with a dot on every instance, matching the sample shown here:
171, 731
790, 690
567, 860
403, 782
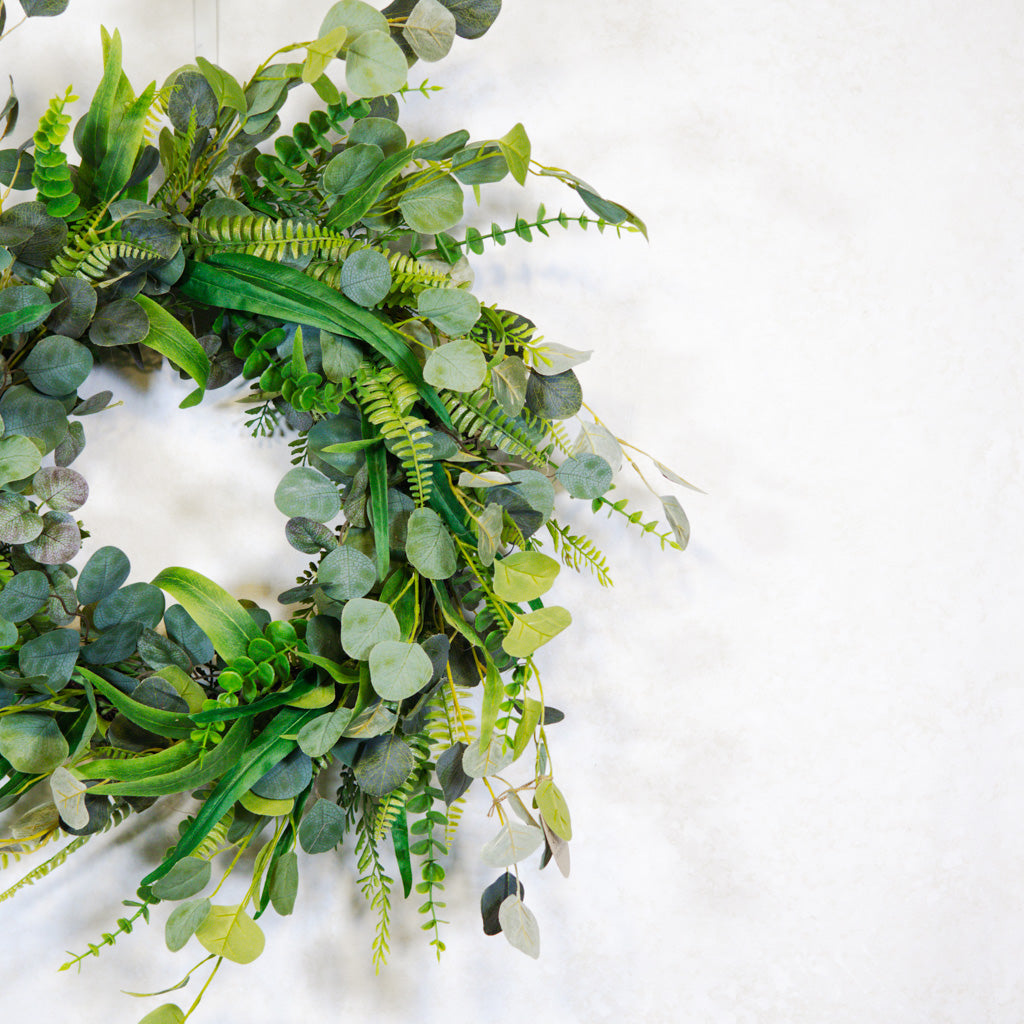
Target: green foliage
427, 434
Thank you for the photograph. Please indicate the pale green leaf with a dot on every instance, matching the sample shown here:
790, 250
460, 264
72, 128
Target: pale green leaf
434, 206
33, 744
585, 476
552, 805
451, 310
515, 148
398, 670
183, 922
524, 576
169, 1013
519, 926
306, 492
513, 843
458, 366
374, 64
534, 629
365, 623
429, 546
430, 30
69, 797
676, 519
508, 379
231, 933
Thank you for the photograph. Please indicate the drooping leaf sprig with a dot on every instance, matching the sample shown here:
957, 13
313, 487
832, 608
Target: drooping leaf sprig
317, 270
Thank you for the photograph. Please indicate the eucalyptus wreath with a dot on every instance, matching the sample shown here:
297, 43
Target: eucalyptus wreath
428, 431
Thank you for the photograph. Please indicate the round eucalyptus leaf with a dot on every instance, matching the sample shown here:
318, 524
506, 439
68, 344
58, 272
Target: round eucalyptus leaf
473, 17
365, 623
384, 764
52, 654
62, 489
451, 310
429, 546
345, 573
374, 64
398, 670
188, 877
355, 16
351, 167
308, 536
19, 523
366, 277
317, 737
114, 645
599, 440
106, 570
307, 492
23, 297
434, 206
137, 602
181, 926
121, 322
323, 637
33, 744
287, 779
19, 458
430, 30
524, 576
47, 237
378, 131
57, 365
192, 93
536, 488
24, 595
32, 415
77, 304
61, 605
585, 475
458, 366
59, 541
322, 828
555, 397
44, 8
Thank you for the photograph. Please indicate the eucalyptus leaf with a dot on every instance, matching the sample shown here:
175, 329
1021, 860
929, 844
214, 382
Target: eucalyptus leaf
458, 366
19, 458
534, 629
494, 895
374, 64
597, 439
322, 827
555, 397
488, 539
59, 541
69, 797
352, 167
307, 492
677, 519
514, 842
454, 781
32, 743
317, 737
57, 365
308, 536
430, 30
184, 921
398, 670
345, 573
473, 17
62, 489
168, 1013
355, 16
433, 206
230, 932
121, 322
72, 446
105, 571
284, 882
137, 602
22, 596
383, 765
508, 379
524, 576
519, 926
188, 877
551, 358
429, 546
19, 523
585, 475
365, 623
366, 277
25, 411
286, 779
52, 654
552, 805
480, 760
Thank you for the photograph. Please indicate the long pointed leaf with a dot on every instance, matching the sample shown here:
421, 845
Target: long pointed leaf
377, 471
228, 625
130, 136
173, 339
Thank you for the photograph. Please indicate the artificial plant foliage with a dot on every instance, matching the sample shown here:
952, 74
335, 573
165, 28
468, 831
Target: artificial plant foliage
323, 270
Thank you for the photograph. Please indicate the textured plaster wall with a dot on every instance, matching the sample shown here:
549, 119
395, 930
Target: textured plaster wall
792, 754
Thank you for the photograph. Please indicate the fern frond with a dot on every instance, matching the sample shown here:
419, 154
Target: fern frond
42, 870
479, 416
51, 175
391, 806
374, 883
579, 552
409, 276
267, 238
216, 839
385, 395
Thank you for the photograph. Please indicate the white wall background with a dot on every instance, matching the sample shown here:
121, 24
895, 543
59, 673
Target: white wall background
792, 754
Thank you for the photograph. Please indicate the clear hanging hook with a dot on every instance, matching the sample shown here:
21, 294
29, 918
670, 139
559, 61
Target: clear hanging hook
206, 19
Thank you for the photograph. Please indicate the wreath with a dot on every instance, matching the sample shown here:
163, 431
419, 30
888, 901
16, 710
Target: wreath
428, 432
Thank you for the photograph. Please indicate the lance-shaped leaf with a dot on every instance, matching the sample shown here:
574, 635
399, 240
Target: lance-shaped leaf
173, 339
69, 797
552, 805
228, 625
677, 519
515, 148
